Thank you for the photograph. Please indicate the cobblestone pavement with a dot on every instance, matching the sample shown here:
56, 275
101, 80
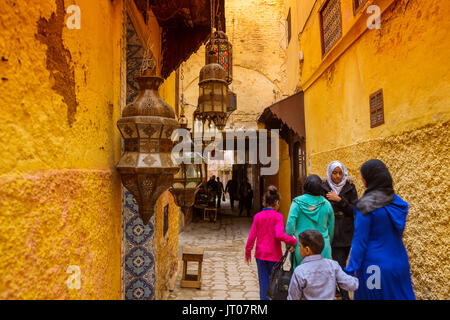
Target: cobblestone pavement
225, 276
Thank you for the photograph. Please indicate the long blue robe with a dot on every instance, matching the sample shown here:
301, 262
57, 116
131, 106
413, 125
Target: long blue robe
378, 255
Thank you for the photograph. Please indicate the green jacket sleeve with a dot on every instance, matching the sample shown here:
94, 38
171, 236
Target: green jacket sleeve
330, 222
292, 219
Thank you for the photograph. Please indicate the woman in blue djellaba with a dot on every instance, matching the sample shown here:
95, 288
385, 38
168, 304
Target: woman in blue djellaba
378, 256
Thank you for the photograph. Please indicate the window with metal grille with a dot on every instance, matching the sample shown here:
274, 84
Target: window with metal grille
331, 24
358, 4
376, 109
288, 27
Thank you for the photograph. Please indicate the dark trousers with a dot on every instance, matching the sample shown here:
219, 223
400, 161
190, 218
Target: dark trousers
264, 270
219, 198
340, 254
232, 202
247, 204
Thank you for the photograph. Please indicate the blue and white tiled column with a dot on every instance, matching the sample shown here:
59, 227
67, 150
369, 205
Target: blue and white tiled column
138, 240
139, 266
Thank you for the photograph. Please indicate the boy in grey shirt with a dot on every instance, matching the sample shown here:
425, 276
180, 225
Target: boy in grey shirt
315, 278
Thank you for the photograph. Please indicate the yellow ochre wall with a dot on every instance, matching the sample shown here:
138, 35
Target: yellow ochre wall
60, 201
166, 245
407, 58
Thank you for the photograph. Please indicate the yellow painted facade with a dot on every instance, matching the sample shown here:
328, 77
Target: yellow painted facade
284, 179
166, 245
408, 59
60, 194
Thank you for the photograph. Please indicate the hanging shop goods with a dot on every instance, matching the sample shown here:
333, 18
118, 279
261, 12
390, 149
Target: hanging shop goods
192, 172
146, 167
213, 97
219, 50
232, 102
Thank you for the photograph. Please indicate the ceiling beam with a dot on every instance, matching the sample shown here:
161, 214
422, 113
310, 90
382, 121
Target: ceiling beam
144, 31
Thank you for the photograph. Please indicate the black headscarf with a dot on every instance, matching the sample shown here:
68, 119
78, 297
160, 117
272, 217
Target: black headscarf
380, 191
313, 185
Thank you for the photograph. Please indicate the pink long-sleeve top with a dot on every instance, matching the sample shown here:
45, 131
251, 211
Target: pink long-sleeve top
268, 231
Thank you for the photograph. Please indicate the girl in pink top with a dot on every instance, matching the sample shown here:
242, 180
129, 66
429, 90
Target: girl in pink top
268, 231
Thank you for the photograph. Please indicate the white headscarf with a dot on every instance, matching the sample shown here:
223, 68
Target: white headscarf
336, 187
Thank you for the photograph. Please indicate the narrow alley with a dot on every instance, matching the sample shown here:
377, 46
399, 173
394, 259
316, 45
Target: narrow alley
225, 276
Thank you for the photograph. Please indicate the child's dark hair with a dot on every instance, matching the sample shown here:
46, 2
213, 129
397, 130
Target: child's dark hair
312, 239
271, 196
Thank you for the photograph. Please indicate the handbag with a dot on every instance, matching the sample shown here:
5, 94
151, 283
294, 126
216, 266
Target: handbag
280, 279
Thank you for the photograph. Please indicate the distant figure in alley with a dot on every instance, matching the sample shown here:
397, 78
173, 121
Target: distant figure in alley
231, 188
220, 192
245, 197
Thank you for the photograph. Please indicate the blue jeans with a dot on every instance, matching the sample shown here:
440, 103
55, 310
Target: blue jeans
264, 269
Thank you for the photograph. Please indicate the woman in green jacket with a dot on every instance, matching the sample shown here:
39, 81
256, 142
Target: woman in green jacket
311, 211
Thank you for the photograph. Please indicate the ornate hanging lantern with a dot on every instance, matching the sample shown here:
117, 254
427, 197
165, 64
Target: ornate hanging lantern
192, 170
213, 97
146, 167
214, 78
188, 180
219, 50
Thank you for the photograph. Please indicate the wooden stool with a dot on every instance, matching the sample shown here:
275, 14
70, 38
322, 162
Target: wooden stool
207, 213
192, 280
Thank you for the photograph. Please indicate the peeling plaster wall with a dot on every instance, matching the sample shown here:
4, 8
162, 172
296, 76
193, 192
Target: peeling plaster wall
59, 192
167, 244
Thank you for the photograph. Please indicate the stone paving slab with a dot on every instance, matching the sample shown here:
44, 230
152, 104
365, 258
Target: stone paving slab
225, 275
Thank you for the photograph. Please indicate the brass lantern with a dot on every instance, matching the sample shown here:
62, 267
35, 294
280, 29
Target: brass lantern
219, 50
213, 97
146, 167
187, 181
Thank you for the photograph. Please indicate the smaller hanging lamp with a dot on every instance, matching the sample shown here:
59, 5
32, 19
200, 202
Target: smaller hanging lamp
213, 97
213, 80
192, 172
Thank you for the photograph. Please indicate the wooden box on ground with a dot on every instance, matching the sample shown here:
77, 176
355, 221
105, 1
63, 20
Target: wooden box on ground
191, 254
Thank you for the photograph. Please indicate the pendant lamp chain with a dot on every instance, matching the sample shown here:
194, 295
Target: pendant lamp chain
182, 90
